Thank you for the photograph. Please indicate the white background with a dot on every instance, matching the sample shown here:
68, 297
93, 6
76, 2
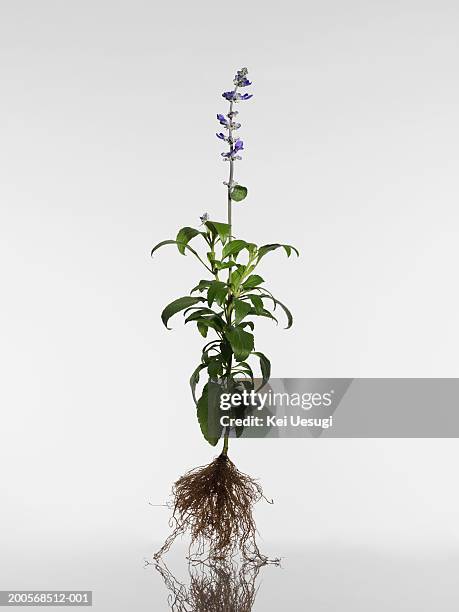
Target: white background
107, 146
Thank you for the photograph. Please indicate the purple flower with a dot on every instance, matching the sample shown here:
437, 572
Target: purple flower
233, 152
221, 136
230, 95
223, 120
244, 82
233, 96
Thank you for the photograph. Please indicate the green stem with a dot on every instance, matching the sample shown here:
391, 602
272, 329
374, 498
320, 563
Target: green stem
230, 223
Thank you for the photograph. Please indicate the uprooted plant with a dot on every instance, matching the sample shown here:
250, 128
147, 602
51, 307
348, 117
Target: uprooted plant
214, 503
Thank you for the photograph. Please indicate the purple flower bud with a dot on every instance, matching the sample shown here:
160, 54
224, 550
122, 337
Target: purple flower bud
221, 136
240, 79
223, 120
245, 96
238, 145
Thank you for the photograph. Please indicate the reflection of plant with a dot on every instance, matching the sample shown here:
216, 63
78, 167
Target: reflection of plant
226, 585
225, 303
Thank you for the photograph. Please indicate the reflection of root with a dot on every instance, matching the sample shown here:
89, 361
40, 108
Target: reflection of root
216, 586
214, 503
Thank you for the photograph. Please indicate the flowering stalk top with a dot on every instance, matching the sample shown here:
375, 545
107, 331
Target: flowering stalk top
235, 145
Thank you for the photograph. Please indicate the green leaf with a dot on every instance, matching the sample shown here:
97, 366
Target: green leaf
241, 310
221, 266
236, 276
202, 286
266, 248
253, 281
223, 230
164, 242
197, 312
185, 246
234, 247
265, 367
216, 291
214, 322
268, 314
244, 368
257, 303
215, 367
178, 305
194, 380
203, 329
283, 306
184, 236
207, 411
241, 342
238, 193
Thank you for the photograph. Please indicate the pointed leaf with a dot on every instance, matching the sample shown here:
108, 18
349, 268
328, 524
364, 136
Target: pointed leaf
184, 236
234, 247
185, 246
202, 286
178, 305
257, 303
266, 248
265, 367
223, 230
241, 310
253, 281
213, 322
216, 291
241, 342
194, 380
203, 329
197, 312
236, 276
283, 306
207, 412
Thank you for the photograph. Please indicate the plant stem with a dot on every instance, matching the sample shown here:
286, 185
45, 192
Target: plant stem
230, 223
231, 171
231, 162
225, 445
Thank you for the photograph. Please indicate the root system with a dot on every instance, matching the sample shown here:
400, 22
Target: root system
214, 504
